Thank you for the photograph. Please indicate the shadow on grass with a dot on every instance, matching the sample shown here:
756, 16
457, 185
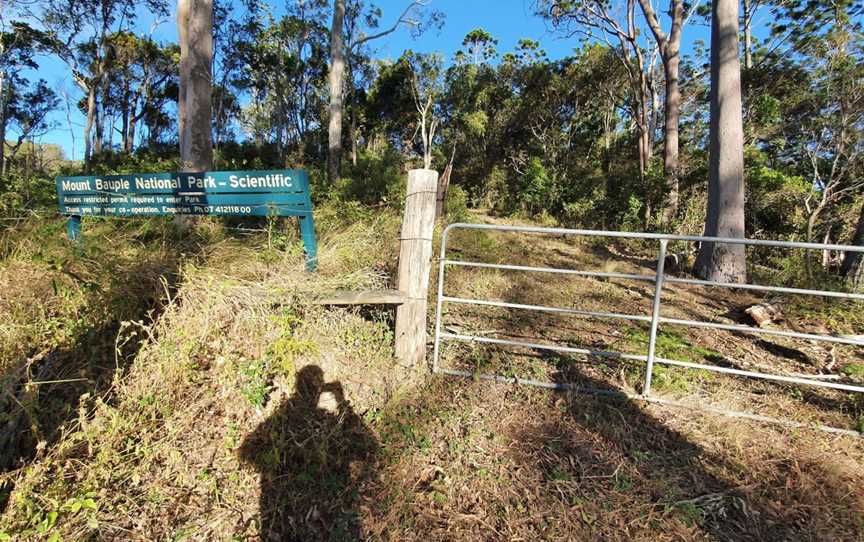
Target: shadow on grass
312, 462
663, 475
639, 463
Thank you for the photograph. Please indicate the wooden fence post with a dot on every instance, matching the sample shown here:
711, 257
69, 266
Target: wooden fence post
443, 186
415, 264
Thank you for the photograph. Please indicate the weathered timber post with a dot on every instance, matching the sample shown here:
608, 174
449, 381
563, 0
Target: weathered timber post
415, 264
443, 186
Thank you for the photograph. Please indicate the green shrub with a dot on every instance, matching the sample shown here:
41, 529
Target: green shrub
456, 206
493, 190
377, 178
774, 202
632, 218
534, 191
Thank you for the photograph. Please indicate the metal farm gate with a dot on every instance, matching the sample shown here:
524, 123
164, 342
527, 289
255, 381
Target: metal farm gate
655, 320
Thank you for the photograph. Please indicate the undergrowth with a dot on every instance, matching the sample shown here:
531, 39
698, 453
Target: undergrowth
151, 331
218, 402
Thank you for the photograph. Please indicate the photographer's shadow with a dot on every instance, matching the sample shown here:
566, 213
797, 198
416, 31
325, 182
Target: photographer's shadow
312, 462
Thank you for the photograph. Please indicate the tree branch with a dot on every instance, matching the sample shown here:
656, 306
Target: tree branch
401, 20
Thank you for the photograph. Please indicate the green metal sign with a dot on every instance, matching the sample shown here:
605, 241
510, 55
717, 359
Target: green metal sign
221, 193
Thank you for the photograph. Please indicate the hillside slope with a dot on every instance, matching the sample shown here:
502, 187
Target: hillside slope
223, 405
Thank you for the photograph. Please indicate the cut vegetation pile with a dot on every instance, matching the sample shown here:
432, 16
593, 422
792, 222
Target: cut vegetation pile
198, 394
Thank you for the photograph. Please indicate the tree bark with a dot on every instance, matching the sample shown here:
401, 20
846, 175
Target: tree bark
337, 76
127, 110
98, 124
853, 265
88, 128
4, 90
129, 142
670, 47
196, 145
443, 187
670, 144
642, 99
718, 261
183, 38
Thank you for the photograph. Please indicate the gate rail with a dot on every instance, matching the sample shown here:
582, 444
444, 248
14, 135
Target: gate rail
659, 278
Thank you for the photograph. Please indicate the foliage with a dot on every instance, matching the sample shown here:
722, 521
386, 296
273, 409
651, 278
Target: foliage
377, 178
456, 208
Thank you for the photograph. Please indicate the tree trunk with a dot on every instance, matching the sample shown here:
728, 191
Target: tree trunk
670, 144
352, 129
337, 75
642, 124
3, 116
443, 187
124, 117
748, 36
811, 227
99, 124
183, 7
670, 47
88, 128
718, 261
853, 264
110, 140
196, 146
129, 143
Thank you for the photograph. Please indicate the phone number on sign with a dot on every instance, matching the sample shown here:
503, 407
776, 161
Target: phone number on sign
227, 209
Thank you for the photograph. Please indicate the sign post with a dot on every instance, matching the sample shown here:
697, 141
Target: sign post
214, 193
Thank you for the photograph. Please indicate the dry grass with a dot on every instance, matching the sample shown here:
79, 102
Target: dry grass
246, 413
580, 468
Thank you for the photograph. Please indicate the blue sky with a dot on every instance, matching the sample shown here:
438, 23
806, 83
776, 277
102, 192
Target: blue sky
507, 20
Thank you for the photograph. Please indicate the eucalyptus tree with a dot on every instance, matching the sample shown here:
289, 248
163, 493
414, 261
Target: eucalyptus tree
619, 30
20, 45
81, 32
229, 33
806, 110
426, 85
413, 16
283, 65
195, 30
469, 105
725, 262
853, 264
669, 45
28, 112
143, 78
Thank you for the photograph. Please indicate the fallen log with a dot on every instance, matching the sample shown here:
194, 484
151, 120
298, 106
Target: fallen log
766, 313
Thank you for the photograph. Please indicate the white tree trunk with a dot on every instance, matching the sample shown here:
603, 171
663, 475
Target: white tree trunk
337, 76
3, 92
88, 128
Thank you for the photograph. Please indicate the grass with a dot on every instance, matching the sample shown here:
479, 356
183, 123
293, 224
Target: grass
223, 405
220, 327
671, 345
